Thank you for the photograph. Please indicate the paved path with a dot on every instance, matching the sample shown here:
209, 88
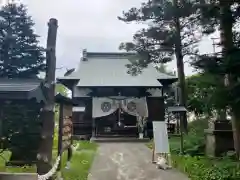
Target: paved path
128, 161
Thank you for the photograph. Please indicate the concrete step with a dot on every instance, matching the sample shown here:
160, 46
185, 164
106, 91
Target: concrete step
119, 139
115, 136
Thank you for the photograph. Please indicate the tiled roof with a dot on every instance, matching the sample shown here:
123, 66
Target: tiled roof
18, 85
21, 89
109, 69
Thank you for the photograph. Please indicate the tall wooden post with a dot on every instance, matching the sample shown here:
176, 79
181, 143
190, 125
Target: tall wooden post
60, 133
45, 150
93, 128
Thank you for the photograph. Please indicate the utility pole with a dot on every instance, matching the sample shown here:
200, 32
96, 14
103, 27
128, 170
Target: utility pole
46, 145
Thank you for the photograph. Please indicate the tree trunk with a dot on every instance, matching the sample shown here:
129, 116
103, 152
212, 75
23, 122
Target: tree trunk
180, 65
226, 34
45, 151
236, 131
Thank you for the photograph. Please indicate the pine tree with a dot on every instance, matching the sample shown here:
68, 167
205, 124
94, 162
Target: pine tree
225, 15
172, 30
20, 55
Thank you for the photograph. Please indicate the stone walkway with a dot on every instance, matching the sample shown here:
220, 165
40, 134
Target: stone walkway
128, 161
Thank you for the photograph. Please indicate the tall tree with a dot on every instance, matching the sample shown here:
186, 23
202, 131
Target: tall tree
20, 54
225, 15
203, 91
171, 31
226, 33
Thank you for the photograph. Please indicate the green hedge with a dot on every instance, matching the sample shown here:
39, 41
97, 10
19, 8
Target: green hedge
202, 168
195, 164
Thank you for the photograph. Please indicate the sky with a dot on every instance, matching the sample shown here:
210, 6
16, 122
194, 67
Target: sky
89, 24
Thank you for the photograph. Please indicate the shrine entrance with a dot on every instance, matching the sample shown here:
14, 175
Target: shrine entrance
119, 116
118, 123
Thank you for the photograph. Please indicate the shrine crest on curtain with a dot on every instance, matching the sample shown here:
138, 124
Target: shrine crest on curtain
106, 106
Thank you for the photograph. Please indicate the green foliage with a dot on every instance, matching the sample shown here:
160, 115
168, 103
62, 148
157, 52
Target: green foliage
157, 42
194, 163
194, 142
211, 13
20, 55
203, 91
199, 168
225, 16
59, 88
22, 128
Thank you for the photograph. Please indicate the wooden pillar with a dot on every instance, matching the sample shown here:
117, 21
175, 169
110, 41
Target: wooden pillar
93, 128
60, 132
44, 156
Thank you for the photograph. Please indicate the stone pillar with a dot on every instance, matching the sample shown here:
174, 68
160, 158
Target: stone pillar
219, 138
210, 143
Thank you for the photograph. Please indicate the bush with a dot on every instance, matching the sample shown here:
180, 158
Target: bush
201, 168
195, 164
194, 142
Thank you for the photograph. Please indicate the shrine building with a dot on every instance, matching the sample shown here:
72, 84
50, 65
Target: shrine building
112, 102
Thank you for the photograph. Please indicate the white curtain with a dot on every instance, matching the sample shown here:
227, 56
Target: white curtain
103, 107
135, 106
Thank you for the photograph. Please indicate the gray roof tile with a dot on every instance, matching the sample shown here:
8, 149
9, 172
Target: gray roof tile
21, 89
18, 84
109, 69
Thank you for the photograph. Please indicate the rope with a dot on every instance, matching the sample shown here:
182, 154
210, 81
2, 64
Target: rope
55, 166
51, 172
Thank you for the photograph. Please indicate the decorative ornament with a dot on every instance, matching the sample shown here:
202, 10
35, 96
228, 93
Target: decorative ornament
106, 106
131, 106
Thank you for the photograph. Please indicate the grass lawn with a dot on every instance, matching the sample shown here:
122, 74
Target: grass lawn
81, 162
202, 167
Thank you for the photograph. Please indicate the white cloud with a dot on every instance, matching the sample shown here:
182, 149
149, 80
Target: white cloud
84, 24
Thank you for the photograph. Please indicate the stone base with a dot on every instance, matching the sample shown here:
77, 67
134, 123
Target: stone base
218, 142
